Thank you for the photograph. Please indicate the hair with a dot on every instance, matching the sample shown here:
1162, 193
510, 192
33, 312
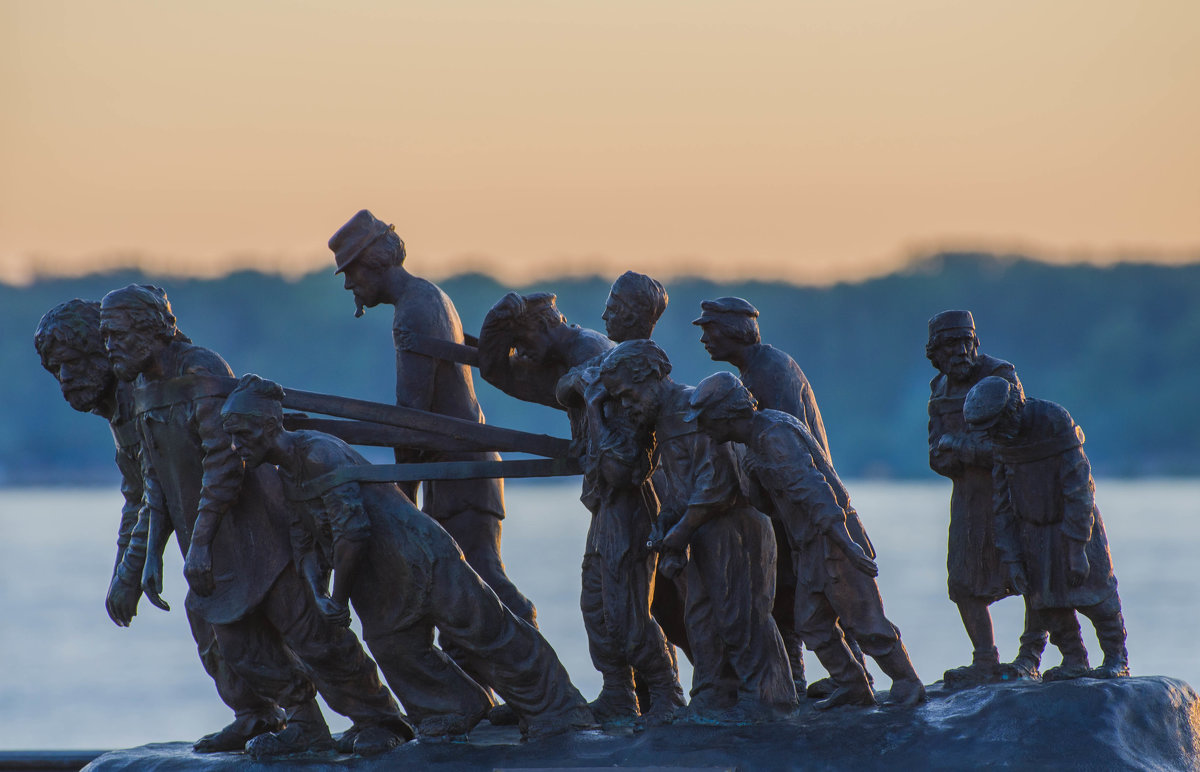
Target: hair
147, 306
646, 296
642, 359
385, 252
942, 336
75, 324
540, 310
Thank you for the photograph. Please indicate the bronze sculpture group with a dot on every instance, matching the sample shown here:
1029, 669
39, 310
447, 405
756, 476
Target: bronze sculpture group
719, 526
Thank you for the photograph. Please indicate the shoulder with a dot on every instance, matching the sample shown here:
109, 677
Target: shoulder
585, 345
989, 365
325, 451
424, 306
937, 384
776, 362
199, 360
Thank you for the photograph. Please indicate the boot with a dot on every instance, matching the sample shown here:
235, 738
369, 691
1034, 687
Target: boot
666, 699
1020, 669
1066, 636
615, 706
984, 668
235, 736
306, 732
1110, 630
849, 678
907, 689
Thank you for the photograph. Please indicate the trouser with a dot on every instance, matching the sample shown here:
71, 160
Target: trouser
617, 580
1106, 618
234, 690
478, 536
739, 656
263, 647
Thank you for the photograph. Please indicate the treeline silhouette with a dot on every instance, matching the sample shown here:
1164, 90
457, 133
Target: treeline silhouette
1119, 347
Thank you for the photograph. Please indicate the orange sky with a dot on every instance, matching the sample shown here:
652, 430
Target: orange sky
810, 140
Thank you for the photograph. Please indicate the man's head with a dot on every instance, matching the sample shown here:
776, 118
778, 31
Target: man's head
728, 325
69, 343
136, 323
634, 306
534, 318
722, 407
953, 347
253, 418
995, 406
365, 248
631, 373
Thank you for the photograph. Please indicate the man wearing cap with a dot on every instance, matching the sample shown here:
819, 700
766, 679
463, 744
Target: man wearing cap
790, 477
72, 350
975, 576
527, 349
405, 576
731, 334
233, 529
371, 256
1048, 529
740, 668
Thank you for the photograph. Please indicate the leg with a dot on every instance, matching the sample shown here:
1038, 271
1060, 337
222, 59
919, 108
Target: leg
616, 702
817, 625
985, 658
1109, 622
253, 714
478, 536
1065, 635
785, 603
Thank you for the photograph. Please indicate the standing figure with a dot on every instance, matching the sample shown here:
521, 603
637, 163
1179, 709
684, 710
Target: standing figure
1048, 529
233, 530
371, 256
740, 668
527, 349
975, 576
69, 343
731, 334
405, 576
789, 476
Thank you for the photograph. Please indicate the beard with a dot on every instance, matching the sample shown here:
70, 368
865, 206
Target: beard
358, 308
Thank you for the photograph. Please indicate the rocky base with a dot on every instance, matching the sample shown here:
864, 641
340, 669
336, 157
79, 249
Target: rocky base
1121, 724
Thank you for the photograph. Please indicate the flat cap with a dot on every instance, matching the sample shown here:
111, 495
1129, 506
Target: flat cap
360, 231
714, 390
986, 401
712, 310
951, 320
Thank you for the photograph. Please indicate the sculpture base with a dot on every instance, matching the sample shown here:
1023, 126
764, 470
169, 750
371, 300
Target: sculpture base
1129, 723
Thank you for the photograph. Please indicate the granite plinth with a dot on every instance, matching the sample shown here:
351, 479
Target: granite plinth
1149, 723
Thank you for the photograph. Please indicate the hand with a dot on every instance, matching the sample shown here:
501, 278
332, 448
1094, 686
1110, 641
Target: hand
1016, 575
860, 561
948, 443
1077, 562
511, 306
676, 541
152, 582
335, 613
672, 563
197, 569
121, 601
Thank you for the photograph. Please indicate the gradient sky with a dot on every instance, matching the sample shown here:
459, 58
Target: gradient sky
811, 141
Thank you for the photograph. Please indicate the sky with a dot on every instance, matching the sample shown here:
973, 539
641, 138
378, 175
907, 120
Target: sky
805, 140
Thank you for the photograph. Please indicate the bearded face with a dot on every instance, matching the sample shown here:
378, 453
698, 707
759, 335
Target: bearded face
130, 347
956, 355
86, 378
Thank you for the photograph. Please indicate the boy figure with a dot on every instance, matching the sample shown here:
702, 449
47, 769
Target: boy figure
371, 256
405, 576
72, 350
790, 477
1048, 528
731, 572
229, 523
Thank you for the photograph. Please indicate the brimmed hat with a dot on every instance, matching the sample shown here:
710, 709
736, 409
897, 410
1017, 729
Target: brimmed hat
352, 239
713, 310
986, 402
714, 390
948, 321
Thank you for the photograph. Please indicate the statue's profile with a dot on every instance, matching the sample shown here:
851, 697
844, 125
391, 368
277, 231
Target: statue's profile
528, 350
790, 477
740, 668
976, 578
231, 525
405, 577
370, 255
1048, 528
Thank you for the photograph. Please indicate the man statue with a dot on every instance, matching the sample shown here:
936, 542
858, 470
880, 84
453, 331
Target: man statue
730, 334
230, 524
69, 343
1048, 529
527, 349
405, 576
371, 256
789, 476
975, 576
730, 585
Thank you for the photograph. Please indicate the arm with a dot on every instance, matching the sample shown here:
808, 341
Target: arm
125, 587
501, 366
715, 489
1007, 541
158, 530
342, 508
1079, 511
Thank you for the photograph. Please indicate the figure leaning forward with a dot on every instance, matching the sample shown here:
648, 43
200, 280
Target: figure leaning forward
233, 529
